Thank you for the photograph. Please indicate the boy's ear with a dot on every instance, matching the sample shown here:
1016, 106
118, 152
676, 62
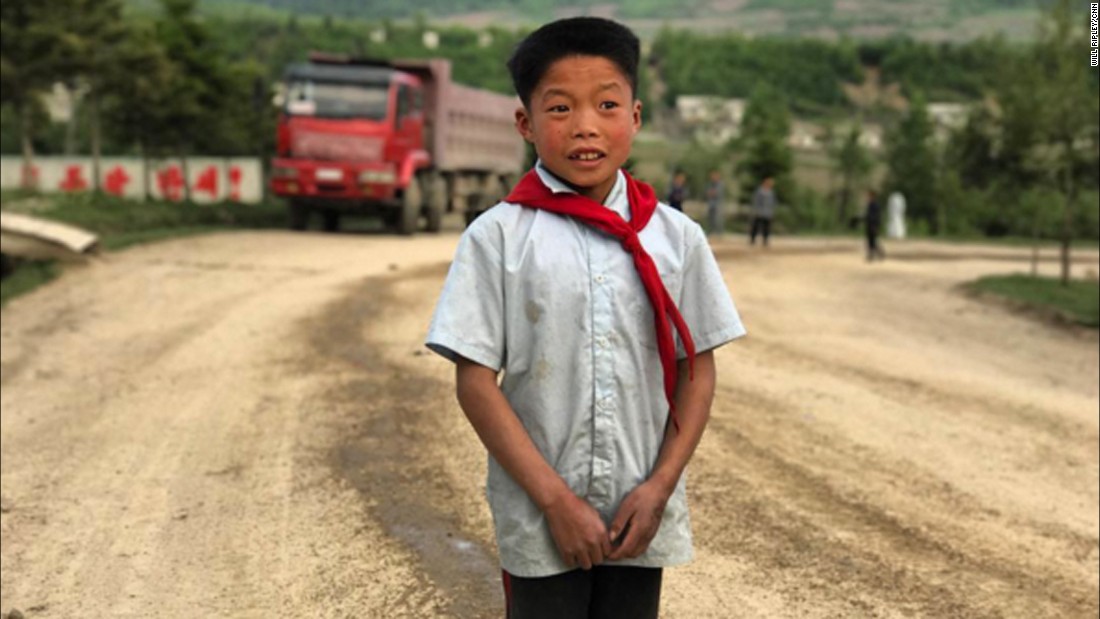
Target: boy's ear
523, 124
636, 115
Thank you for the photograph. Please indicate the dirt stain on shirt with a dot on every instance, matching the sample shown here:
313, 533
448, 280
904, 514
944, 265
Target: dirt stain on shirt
534, 311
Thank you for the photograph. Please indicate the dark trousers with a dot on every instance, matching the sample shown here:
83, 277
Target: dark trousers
760, 225
874, 250
604, 592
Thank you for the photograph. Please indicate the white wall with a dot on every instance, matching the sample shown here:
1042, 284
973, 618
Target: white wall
233, 179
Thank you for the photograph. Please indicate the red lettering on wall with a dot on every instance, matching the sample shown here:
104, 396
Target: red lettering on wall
208, 181
74, 179
116, 181
170, 183
235, 183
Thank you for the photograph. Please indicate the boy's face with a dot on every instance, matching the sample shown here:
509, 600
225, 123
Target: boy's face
582, 121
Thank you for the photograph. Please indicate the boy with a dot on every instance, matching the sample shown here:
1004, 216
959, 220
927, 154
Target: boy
569, 286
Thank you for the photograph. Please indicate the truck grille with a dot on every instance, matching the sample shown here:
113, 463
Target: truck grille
335, 147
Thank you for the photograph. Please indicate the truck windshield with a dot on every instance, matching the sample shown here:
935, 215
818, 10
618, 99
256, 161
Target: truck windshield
337, 100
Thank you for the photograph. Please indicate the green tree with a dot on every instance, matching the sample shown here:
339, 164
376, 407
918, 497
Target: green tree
972, 149
98, 35
197, 91
853, 164
36, 50
1067, 89
136, 99
763, 143
911, 165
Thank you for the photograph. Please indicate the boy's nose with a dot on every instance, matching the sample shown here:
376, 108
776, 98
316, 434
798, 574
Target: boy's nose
585, 125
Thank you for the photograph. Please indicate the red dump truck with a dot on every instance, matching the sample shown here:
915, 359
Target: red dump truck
396, 139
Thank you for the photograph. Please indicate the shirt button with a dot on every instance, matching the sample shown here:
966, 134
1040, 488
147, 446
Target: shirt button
599, 279
601, 342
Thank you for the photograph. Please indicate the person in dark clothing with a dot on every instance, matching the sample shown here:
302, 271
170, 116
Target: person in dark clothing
872, 223
678, 192
763, 211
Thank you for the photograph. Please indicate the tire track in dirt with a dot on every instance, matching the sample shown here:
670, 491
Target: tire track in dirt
798, 527
991, 409
394, 454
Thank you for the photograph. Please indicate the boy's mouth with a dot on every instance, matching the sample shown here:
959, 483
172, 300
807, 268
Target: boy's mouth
586, 155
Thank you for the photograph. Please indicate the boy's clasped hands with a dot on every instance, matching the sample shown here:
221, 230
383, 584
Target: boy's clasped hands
584, 540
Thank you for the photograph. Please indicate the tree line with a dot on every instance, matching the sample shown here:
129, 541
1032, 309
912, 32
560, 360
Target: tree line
155, 87
1026, 162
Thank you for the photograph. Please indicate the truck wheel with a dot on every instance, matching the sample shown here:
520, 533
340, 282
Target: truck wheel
475, 205
411, 201
436, 203
299, 215
332, 221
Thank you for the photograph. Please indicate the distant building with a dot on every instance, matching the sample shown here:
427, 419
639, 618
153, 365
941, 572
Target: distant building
711, 119
61, 101
804, 136
947, 117
870, 137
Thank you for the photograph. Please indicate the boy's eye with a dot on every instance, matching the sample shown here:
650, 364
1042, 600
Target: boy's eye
558, 109
609, 105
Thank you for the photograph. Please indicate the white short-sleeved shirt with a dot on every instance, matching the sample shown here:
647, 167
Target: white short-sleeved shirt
559, 307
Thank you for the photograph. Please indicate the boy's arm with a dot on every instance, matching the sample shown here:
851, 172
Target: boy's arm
639, 515
576, 526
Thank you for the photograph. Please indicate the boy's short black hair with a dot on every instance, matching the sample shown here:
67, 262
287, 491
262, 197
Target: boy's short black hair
576, 36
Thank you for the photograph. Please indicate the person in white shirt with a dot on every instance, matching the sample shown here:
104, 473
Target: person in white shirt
601, 405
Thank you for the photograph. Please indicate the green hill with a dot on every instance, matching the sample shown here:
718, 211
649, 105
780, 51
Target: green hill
931, 20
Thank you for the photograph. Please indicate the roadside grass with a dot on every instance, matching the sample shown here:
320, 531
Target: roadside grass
26, 276
110, 216
122, 223
1078, 303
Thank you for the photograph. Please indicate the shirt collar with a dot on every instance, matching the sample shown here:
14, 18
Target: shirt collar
616, 199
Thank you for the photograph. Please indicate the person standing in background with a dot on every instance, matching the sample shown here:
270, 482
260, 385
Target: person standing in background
678, 192
895, 214
715, 190
763, 210
872, 222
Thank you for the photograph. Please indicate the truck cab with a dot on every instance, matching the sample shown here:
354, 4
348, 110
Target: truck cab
350, 140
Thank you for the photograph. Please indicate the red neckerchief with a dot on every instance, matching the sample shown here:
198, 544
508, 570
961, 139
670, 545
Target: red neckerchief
532, 193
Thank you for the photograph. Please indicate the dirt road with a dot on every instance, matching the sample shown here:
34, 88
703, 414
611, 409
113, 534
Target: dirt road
246, 425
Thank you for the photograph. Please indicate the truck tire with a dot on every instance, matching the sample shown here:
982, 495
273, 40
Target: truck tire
332, 221
299, 215
436, 203
411, 202
509, 182
475, 205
